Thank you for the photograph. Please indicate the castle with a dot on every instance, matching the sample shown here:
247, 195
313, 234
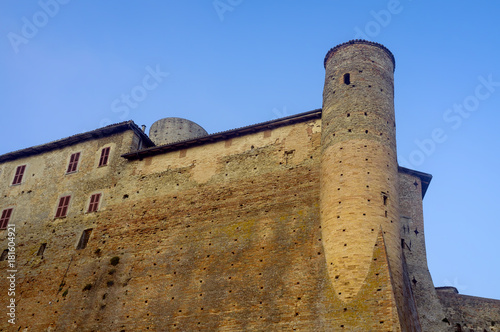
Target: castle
304, 223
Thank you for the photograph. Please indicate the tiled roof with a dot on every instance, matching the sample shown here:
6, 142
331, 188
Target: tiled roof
97, 133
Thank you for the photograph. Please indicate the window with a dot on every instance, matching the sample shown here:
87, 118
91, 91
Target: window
94, 202
41, 249
73, 162
347, 78
104, 156
62, 208
4, 220
19, 174
84, 239
3, 257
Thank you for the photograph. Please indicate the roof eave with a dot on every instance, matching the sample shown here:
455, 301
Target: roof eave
58, 144
425, 178
314, 114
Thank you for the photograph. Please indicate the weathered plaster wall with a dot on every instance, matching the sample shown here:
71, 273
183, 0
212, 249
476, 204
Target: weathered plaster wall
34, 204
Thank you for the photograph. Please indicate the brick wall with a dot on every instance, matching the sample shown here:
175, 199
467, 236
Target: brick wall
470, 313
430, 310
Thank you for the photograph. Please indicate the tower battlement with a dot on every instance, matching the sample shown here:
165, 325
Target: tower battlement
332, 51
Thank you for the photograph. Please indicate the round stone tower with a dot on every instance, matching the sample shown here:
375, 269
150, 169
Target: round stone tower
169, 130
359, 170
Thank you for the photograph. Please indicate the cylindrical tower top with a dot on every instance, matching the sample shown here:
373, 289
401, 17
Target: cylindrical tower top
333, 50
169, 130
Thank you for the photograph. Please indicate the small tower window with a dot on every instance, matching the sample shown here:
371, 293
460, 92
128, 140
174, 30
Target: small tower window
347, 78
385, 197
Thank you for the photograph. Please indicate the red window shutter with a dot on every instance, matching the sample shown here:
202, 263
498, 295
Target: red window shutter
19, 174
104, 156
62, 208
73, 162
4, 220
94, 202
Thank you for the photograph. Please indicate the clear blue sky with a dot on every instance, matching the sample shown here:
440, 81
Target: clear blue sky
231, 63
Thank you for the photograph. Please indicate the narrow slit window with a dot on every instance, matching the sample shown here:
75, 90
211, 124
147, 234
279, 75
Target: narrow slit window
62, 208
94, 202
104, 156
5, 252
19, 174
84, 239
385, 197
4, 219
41, 250
73, 162
347, 78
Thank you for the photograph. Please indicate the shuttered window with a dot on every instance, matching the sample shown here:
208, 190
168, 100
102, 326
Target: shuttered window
19, 174
94, 202
4, 219
73, 162
104, 156
62, 208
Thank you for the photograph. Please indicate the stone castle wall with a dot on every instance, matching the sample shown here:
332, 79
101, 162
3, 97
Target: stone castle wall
220, 236
306, 224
